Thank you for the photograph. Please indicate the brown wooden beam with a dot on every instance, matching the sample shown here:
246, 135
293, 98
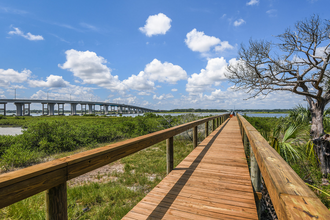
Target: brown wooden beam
169, 155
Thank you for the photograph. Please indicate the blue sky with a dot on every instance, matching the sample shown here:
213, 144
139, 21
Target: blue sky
155, 54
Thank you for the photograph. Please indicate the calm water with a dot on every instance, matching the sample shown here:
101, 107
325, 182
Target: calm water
11, 130
266, 115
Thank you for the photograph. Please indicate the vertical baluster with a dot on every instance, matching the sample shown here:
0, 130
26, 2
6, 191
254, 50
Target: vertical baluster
169, 155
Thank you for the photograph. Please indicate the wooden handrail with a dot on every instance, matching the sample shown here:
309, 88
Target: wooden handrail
18, 185
291, 197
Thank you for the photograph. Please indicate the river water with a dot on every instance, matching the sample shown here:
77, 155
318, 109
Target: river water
10, 130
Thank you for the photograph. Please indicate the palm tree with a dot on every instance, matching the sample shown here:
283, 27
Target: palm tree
285, 145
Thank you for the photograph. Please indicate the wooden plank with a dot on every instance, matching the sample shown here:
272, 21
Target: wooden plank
211, 182
291, 198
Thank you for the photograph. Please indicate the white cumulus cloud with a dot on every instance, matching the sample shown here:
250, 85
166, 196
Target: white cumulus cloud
174, 90
139, 82
164, 72
213, 74
28, 36
11, 76
239, 22
51, 81
224, 45
156, 24
90, 68
200, 42
253, 2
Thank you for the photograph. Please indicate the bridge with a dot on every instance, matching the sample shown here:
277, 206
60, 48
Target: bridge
213, 182
48, 107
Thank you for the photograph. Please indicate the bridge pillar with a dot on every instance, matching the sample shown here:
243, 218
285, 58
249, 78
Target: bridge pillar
60, 108
44, 109
83, 109
91, 108
50, 107
19, 106
105, 109
73, 108
120, 109
4, 108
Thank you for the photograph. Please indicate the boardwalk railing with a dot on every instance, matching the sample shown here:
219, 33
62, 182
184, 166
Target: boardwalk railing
52, 176
291, 197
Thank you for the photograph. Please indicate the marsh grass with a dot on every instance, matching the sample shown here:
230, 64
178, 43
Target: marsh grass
111, 200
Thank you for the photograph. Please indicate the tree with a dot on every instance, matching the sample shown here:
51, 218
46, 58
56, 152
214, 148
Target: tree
298, 63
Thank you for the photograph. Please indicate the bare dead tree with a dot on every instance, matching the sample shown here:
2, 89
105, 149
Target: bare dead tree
299, 63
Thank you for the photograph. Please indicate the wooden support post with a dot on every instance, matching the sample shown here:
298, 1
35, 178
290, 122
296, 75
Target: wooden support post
255, 179
56, 202
206, 129
245, 142
218, 122
169, 155
195, 136
214, 126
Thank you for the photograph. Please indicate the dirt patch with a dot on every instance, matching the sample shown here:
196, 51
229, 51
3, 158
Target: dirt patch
100, 175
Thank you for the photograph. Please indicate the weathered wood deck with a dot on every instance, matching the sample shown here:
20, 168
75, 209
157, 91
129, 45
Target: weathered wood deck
212, 182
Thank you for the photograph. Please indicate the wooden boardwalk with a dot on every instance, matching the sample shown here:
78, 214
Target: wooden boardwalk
212, 182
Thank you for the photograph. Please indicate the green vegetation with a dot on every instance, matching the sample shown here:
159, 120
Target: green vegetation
45, 136
290, 137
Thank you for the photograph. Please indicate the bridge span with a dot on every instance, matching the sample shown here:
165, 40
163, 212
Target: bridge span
86, 107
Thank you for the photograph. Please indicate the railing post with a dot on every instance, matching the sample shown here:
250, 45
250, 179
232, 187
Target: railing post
195, 137
206, 129
169, 155
255, 179
218, 121
214, 127
245, 141
56, 202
